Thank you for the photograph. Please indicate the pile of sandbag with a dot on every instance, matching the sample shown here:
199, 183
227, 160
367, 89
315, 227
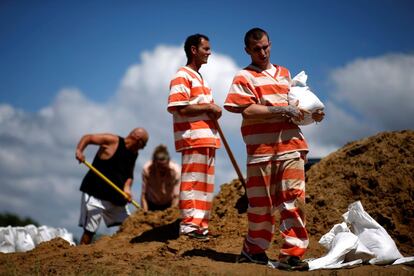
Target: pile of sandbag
358, 240
25, 238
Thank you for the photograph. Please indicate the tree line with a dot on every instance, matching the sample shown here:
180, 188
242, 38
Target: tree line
7, 219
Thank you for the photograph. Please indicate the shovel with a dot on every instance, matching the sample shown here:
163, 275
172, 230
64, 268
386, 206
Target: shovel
98, 173
243, 202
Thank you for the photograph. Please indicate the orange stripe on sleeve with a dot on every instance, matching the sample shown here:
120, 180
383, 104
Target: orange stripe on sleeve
234, 99
178, 97
180, 81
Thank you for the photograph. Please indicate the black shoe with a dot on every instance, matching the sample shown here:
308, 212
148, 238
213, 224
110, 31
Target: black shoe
259, 258
294, 262
198, 235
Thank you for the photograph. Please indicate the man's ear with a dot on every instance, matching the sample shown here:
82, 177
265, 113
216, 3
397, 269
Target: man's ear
247, 50
194, 50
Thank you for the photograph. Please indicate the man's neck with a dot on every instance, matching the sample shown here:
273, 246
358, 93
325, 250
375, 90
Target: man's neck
129, 145
263, 67
194, 66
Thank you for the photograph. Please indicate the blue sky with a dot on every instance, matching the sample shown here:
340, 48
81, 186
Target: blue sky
73, 67
88, 44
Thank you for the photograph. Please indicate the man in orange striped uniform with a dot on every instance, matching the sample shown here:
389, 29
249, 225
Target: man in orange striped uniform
276, 153
194, 114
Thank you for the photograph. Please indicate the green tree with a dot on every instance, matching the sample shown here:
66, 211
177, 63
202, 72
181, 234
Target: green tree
7, 219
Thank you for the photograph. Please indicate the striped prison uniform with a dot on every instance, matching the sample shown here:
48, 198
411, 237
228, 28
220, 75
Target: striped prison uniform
196, 138
275, 167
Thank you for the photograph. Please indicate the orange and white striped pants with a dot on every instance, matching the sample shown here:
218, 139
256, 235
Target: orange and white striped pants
271, 186
196, 189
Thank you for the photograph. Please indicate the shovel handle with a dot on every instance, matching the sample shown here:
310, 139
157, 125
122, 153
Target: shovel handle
98, 173
230, 154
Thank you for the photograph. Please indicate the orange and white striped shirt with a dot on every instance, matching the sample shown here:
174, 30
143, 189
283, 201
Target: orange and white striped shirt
186, 88
265, 139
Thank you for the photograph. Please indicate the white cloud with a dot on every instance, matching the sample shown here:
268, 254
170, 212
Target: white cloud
40, 177
380, 89
369, 96
338, 128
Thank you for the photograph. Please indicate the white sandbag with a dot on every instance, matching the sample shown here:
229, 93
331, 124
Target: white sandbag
2, 231
327, 239
367, 242
381, 244
33, 232
371, 234
45, 233
299, 91
361, 252
342, 243
23, 240
64, 234
7, 244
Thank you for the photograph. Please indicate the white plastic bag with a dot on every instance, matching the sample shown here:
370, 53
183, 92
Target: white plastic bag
7, 244
342, 243
364, 241
361, 252
46, 233
372, 235
299, 91
33, 232
64, 234
327, 239
23, 240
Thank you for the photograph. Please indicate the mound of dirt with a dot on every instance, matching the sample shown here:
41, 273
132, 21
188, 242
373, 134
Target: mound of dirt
378, 171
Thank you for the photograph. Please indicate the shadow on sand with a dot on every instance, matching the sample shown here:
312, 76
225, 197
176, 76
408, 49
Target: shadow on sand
212, 254
162, 233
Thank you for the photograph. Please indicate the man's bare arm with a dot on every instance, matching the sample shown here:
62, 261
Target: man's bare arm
127, 189
280, 112
94, 139
213, 110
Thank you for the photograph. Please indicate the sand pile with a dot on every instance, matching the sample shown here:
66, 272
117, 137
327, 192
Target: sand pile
378, 171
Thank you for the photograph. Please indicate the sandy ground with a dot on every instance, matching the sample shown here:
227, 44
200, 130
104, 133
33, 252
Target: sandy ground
378, 171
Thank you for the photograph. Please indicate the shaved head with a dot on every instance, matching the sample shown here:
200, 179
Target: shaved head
138, 138
140, 132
